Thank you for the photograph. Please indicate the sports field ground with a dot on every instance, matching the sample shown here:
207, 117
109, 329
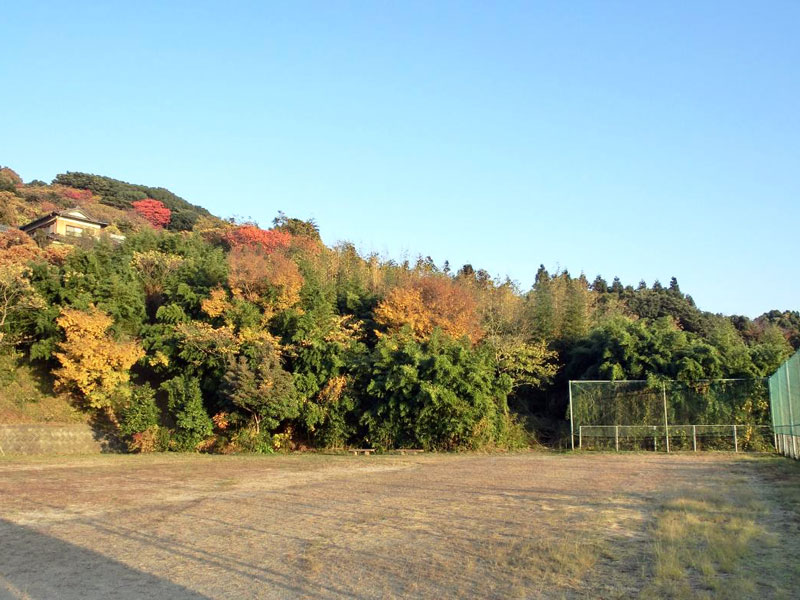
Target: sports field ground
530, 525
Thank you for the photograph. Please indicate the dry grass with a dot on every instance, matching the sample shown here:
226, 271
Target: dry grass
24, 397
701, 543
532, 525
726, 538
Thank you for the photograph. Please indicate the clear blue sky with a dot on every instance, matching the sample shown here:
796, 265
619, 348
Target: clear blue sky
638, 139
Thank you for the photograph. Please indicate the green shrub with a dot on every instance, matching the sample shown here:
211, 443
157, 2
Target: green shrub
438, 394
185, 404
141, 413
250, 440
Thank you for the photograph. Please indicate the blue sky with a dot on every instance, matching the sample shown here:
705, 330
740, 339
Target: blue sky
643, 140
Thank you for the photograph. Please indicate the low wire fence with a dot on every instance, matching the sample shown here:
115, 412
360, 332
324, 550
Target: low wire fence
668, 415
673, 438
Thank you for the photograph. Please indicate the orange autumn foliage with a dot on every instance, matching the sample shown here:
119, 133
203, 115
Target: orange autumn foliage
17, 247
57, 254
429, 303
255, 238
270, 279
221, 420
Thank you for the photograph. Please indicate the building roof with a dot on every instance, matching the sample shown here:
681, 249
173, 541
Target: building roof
76, 214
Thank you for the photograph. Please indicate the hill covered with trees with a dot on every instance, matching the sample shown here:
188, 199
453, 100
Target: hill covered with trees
197, 333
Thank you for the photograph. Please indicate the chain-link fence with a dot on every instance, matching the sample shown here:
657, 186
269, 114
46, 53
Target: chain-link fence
784, 394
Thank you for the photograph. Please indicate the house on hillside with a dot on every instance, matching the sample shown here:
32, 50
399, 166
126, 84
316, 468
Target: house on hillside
65, 224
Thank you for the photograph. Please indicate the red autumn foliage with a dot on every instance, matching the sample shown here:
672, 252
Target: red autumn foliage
76, 194
154, 211
253, 237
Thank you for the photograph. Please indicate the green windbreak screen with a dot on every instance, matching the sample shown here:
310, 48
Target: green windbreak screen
784, 393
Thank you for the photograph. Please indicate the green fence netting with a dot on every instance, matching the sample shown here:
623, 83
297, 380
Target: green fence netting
784, 394
721, 414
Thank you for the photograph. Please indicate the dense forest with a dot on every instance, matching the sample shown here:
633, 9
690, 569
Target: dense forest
197, 333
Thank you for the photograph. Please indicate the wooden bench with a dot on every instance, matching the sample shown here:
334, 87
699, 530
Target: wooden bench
368, 451
364, 451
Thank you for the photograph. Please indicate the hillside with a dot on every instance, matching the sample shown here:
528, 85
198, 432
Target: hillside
106, 199
197, 333
122, 195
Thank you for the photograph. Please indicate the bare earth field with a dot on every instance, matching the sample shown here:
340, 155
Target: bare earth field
531, 525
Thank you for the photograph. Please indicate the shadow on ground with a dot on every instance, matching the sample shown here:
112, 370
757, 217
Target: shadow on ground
35, 566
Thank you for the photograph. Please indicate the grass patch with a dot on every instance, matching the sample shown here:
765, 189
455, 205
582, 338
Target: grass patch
729, 540
24, 398
559, 561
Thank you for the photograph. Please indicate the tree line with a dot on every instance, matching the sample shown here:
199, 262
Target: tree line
222, 336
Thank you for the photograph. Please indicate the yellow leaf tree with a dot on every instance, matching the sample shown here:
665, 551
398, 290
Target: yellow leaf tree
428, 303
94, 366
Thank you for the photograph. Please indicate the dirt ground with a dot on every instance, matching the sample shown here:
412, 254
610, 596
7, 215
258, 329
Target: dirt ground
534, 525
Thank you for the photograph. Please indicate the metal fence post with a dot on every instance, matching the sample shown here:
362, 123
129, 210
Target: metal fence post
571, 422
655, 439
580, 437
793, 452
694, 438
666, 422
735, 440
616, 437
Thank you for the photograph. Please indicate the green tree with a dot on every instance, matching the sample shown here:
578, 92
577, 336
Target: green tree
259, 386
622, 348
296, 227
19, 304
185, 405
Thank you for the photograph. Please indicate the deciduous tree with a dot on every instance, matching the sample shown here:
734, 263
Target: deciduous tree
158, 215
272, 280
428, 303
94, 367
258, 239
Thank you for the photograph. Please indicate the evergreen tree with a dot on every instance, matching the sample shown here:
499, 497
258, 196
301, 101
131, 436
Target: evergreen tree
185, 405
